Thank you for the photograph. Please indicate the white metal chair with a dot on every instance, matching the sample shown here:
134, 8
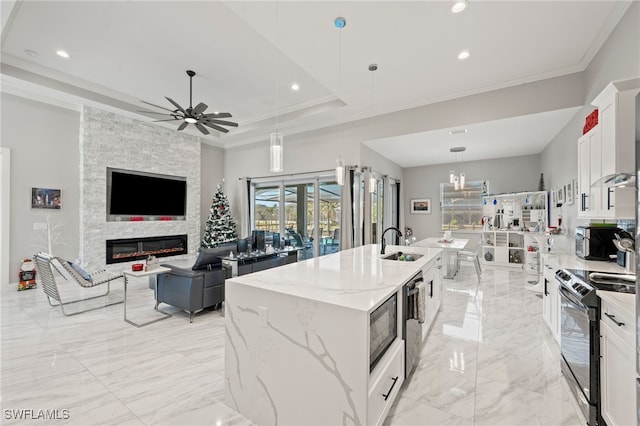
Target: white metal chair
45, 265
471, 256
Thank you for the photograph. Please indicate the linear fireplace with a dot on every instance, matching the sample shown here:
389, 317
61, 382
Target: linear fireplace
128, 249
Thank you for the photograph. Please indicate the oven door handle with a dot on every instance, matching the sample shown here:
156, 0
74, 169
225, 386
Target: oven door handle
571, 299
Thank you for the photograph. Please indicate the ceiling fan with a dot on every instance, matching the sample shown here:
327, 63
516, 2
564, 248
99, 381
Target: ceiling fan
194, 115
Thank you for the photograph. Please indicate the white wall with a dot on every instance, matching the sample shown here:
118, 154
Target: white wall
44, 153
516, 174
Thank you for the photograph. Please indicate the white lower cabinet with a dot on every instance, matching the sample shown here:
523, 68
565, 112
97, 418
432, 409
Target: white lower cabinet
386, 384
551, 299
617, 366
432, 274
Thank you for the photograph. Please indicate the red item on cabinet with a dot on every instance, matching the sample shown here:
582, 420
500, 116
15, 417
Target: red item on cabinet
137, 267
591, 121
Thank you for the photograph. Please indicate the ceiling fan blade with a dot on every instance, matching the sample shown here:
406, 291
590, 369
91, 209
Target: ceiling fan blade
168, 119
213, 126
223, 122
154, 112
183, 125
202, 128
218, 115
199, 109
175, 104
157, 106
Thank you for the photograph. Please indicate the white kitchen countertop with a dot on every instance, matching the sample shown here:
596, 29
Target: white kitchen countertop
355, 278
625, 301
571, 261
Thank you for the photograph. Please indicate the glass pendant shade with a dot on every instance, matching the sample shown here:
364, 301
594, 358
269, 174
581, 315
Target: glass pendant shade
452, 176
372, 184
462, 177
340, 171
456, 183
276, 153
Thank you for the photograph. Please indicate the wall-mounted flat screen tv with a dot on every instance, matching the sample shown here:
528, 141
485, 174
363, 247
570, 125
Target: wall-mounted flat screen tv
134, 195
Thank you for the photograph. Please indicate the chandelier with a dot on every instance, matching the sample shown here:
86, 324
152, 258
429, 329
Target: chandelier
457, 180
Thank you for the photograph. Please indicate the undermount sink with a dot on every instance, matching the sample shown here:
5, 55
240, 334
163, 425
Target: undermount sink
402, 257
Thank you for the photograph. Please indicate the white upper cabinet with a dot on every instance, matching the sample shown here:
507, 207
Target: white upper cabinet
609, 149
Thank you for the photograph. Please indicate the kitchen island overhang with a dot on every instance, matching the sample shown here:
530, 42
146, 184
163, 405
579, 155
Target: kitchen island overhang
297, 338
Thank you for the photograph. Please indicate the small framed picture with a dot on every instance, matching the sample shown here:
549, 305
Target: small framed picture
44, 198
420, 206
560, 195
576, 189
568, 193
554, 197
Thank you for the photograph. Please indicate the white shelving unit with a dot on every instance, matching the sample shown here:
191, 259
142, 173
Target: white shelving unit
511, 222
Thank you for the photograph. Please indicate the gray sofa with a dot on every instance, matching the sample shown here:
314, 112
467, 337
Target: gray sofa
194, 286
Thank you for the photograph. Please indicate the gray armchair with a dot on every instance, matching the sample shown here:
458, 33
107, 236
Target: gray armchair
197, 286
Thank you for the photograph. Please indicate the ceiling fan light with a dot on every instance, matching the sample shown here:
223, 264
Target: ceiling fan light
276, 152
190, 120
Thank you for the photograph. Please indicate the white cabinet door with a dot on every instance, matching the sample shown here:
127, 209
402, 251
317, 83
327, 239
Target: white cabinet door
610, 152
617, 378
551, 300
433, 286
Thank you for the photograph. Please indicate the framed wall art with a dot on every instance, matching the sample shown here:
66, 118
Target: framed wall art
560, 195
45, 198
420, 206
568, 193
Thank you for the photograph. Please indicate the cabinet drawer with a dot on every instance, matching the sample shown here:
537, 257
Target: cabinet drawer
386, 383
621, 322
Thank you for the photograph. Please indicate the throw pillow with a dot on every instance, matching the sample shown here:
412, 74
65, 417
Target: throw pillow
84, 274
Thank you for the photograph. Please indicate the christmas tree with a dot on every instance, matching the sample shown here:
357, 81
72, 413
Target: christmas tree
220, 227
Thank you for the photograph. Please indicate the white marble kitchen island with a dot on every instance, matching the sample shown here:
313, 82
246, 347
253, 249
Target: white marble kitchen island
297, 338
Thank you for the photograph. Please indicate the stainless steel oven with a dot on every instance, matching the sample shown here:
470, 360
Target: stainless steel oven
580, 342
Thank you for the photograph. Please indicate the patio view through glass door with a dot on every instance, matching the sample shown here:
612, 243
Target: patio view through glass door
302, 223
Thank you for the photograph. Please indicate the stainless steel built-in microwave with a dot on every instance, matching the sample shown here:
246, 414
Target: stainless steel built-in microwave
383, 329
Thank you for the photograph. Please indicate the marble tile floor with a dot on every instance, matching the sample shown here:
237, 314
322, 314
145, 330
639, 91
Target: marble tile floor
488, 360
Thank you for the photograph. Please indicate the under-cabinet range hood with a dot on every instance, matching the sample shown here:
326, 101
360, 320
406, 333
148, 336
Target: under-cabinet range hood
616, 180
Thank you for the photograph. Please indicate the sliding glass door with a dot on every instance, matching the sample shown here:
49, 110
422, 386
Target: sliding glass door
308, 221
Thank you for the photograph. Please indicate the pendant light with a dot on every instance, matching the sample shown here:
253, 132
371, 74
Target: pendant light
372, 178
276, 152
340, 171
457, 181
340, 23
276, 146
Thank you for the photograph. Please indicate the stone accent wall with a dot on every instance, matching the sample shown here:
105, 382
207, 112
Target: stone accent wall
111, 140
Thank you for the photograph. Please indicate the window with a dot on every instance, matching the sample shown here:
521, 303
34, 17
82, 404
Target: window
462, 208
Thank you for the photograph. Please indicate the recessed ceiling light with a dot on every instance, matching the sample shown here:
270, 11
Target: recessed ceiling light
30, 53
459, 6
295, 86
63, 54
463, 55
